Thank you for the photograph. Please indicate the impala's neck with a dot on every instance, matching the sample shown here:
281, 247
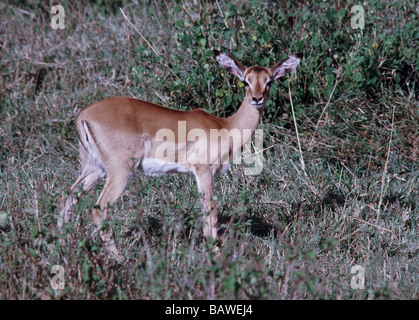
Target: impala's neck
247, 117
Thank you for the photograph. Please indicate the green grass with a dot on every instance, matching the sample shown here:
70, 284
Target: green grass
288, 233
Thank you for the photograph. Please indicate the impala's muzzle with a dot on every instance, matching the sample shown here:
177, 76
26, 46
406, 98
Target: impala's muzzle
258, 100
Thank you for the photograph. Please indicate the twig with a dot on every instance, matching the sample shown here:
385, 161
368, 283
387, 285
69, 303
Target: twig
303, 166
141, 35
296, 131
151, 46
371, 224
257, 152
338, 72
225, 22
383, 177
293, 39
47, 64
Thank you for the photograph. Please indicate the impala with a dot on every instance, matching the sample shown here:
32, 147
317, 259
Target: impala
119, 134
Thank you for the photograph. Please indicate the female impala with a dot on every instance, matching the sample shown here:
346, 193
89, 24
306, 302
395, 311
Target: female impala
118, 134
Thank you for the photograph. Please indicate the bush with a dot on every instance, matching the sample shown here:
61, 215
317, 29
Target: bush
368, 61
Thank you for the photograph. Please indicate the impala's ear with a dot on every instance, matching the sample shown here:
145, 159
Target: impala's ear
231, 65
286, 66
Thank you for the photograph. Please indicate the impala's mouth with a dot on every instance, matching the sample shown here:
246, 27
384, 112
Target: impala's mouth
258, 104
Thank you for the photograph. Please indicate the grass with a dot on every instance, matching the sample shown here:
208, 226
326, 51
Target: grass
287, 233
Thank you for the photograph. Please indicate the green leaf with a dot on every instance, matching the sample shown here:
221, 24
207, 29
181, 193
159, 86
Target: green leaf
306, 15
202, 42
328, 90
4, 220
32, 252
229, 283
330, 14
315, 41
330, 78
228, 98
177, 9
187, 40
356, 76
341, 14
328, 61
266, 36
313, 89
180, 23
299, 45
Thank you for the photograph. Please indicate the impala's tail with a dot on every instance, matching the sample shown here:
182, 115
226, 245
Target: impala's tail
92, 170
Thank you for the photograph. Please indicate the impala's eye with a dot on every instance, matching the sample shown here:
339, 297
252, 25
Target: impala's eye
247, 84
268, 84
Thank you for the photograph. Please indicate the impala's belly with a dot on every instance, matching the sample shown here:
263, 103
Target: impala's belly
154, 167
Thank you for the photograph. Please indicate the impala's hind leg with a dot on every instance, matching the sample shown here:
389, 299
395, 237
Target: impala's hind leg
115, 185
91, 173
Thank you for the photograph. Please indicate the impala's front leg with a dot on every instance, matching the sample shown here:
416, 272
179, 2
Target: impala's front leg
208, 206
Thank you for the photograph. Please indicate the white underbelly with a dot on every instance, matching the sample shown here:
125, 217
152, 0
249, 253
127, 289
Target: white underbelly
155, 167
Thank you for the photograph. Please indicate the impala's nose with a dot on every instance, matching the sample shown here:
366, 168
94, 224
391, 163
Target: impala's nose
257, 99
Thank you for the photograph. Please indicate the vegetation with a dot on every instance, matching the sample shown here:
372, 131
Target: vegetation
348, 197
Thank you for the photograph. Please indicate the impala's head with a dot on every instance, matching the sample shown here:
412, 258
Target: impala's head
258, 79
